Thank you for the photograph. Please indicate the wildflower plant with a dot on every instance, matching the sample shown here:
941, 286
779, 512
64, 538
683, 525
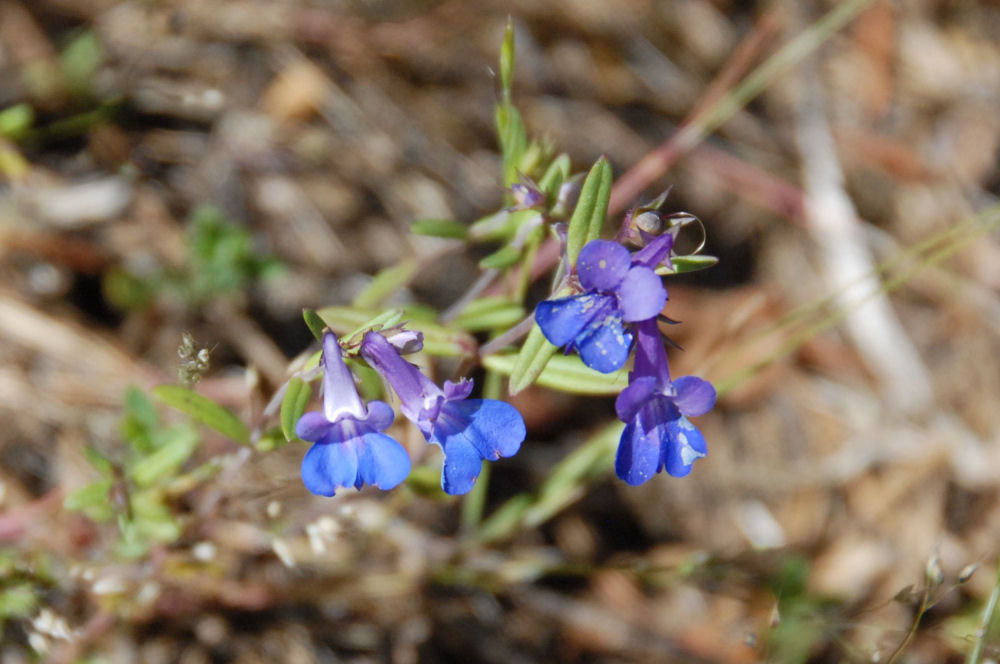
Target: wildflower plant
604, 310
606, 303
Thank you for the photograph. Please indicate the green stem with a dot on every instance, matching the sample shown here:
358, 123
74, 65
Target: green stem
991, 606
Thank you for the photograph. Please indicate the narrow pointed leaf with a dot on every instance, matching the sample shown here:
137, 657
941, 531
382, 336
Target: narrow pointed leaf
526, 366
557, 173
203, 410
314, 323
684, 264
167, 459
489, 313
591, 209
296, 399
565, 373
501, 258
385, 284
447, 228
438, 339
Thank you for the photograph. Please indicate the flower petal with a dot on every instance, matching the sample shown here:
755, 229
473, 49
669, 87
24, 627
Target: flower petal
457, 391
340, 396
313, 426
382, 461
650, 353
412, 387
681, 445
604, 345
494, 428
638, 455
462, 465
327, 466
380, 415
602, 265
694, 395
563, 319
641, 294
634, 397
655, 251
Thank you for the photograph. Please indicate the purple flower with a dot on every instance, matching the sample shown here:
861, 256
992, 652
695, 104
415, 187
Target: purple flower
467, 430
348, 449
618, 288
655, 409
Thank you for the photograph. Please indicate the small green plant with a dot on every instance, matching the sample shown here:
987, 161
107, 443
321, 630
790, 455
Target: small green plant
221, 261
136, 489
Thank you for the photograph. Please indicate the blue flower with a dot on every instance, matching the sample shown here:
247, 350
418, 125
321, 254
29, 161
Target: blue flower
619, 288
658, 436
348, 449
467, 430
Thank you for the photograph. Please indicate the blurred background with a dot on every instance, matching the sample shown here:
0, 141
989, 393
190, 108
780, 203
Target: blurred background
172, 167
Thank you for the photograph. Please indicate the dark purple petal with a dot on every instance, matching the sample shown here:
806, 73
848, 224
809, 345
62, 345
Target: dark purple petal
340, 396
327, 466
462, 465
650, 353
655, 251
411, 386
641, 294
694, 395
638, 455
313, 426
604, 345
458, 391
634, 397
563, 319
681, 445
602, 265
382, 461
494, 428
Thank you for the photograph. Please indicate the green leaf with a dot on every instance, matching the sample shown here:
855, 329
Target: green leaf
153, 521
447, 228
297, 396
18, 600
507, 62
565, 373
16, 120
204, 410
100, 462
438, 339
525, 367
591, 209
384, 284
684, 264
92, 500
501, 258
502, 225
128, 292
505, 520
489, 313
167, 459
557, 173
513, 140
79, 61
140, 421
314, 323
385, 319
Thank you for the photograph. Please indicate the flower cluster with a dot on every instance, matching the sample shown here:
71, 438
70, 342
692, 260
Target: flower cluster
618, 288
620, 300
349, 448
